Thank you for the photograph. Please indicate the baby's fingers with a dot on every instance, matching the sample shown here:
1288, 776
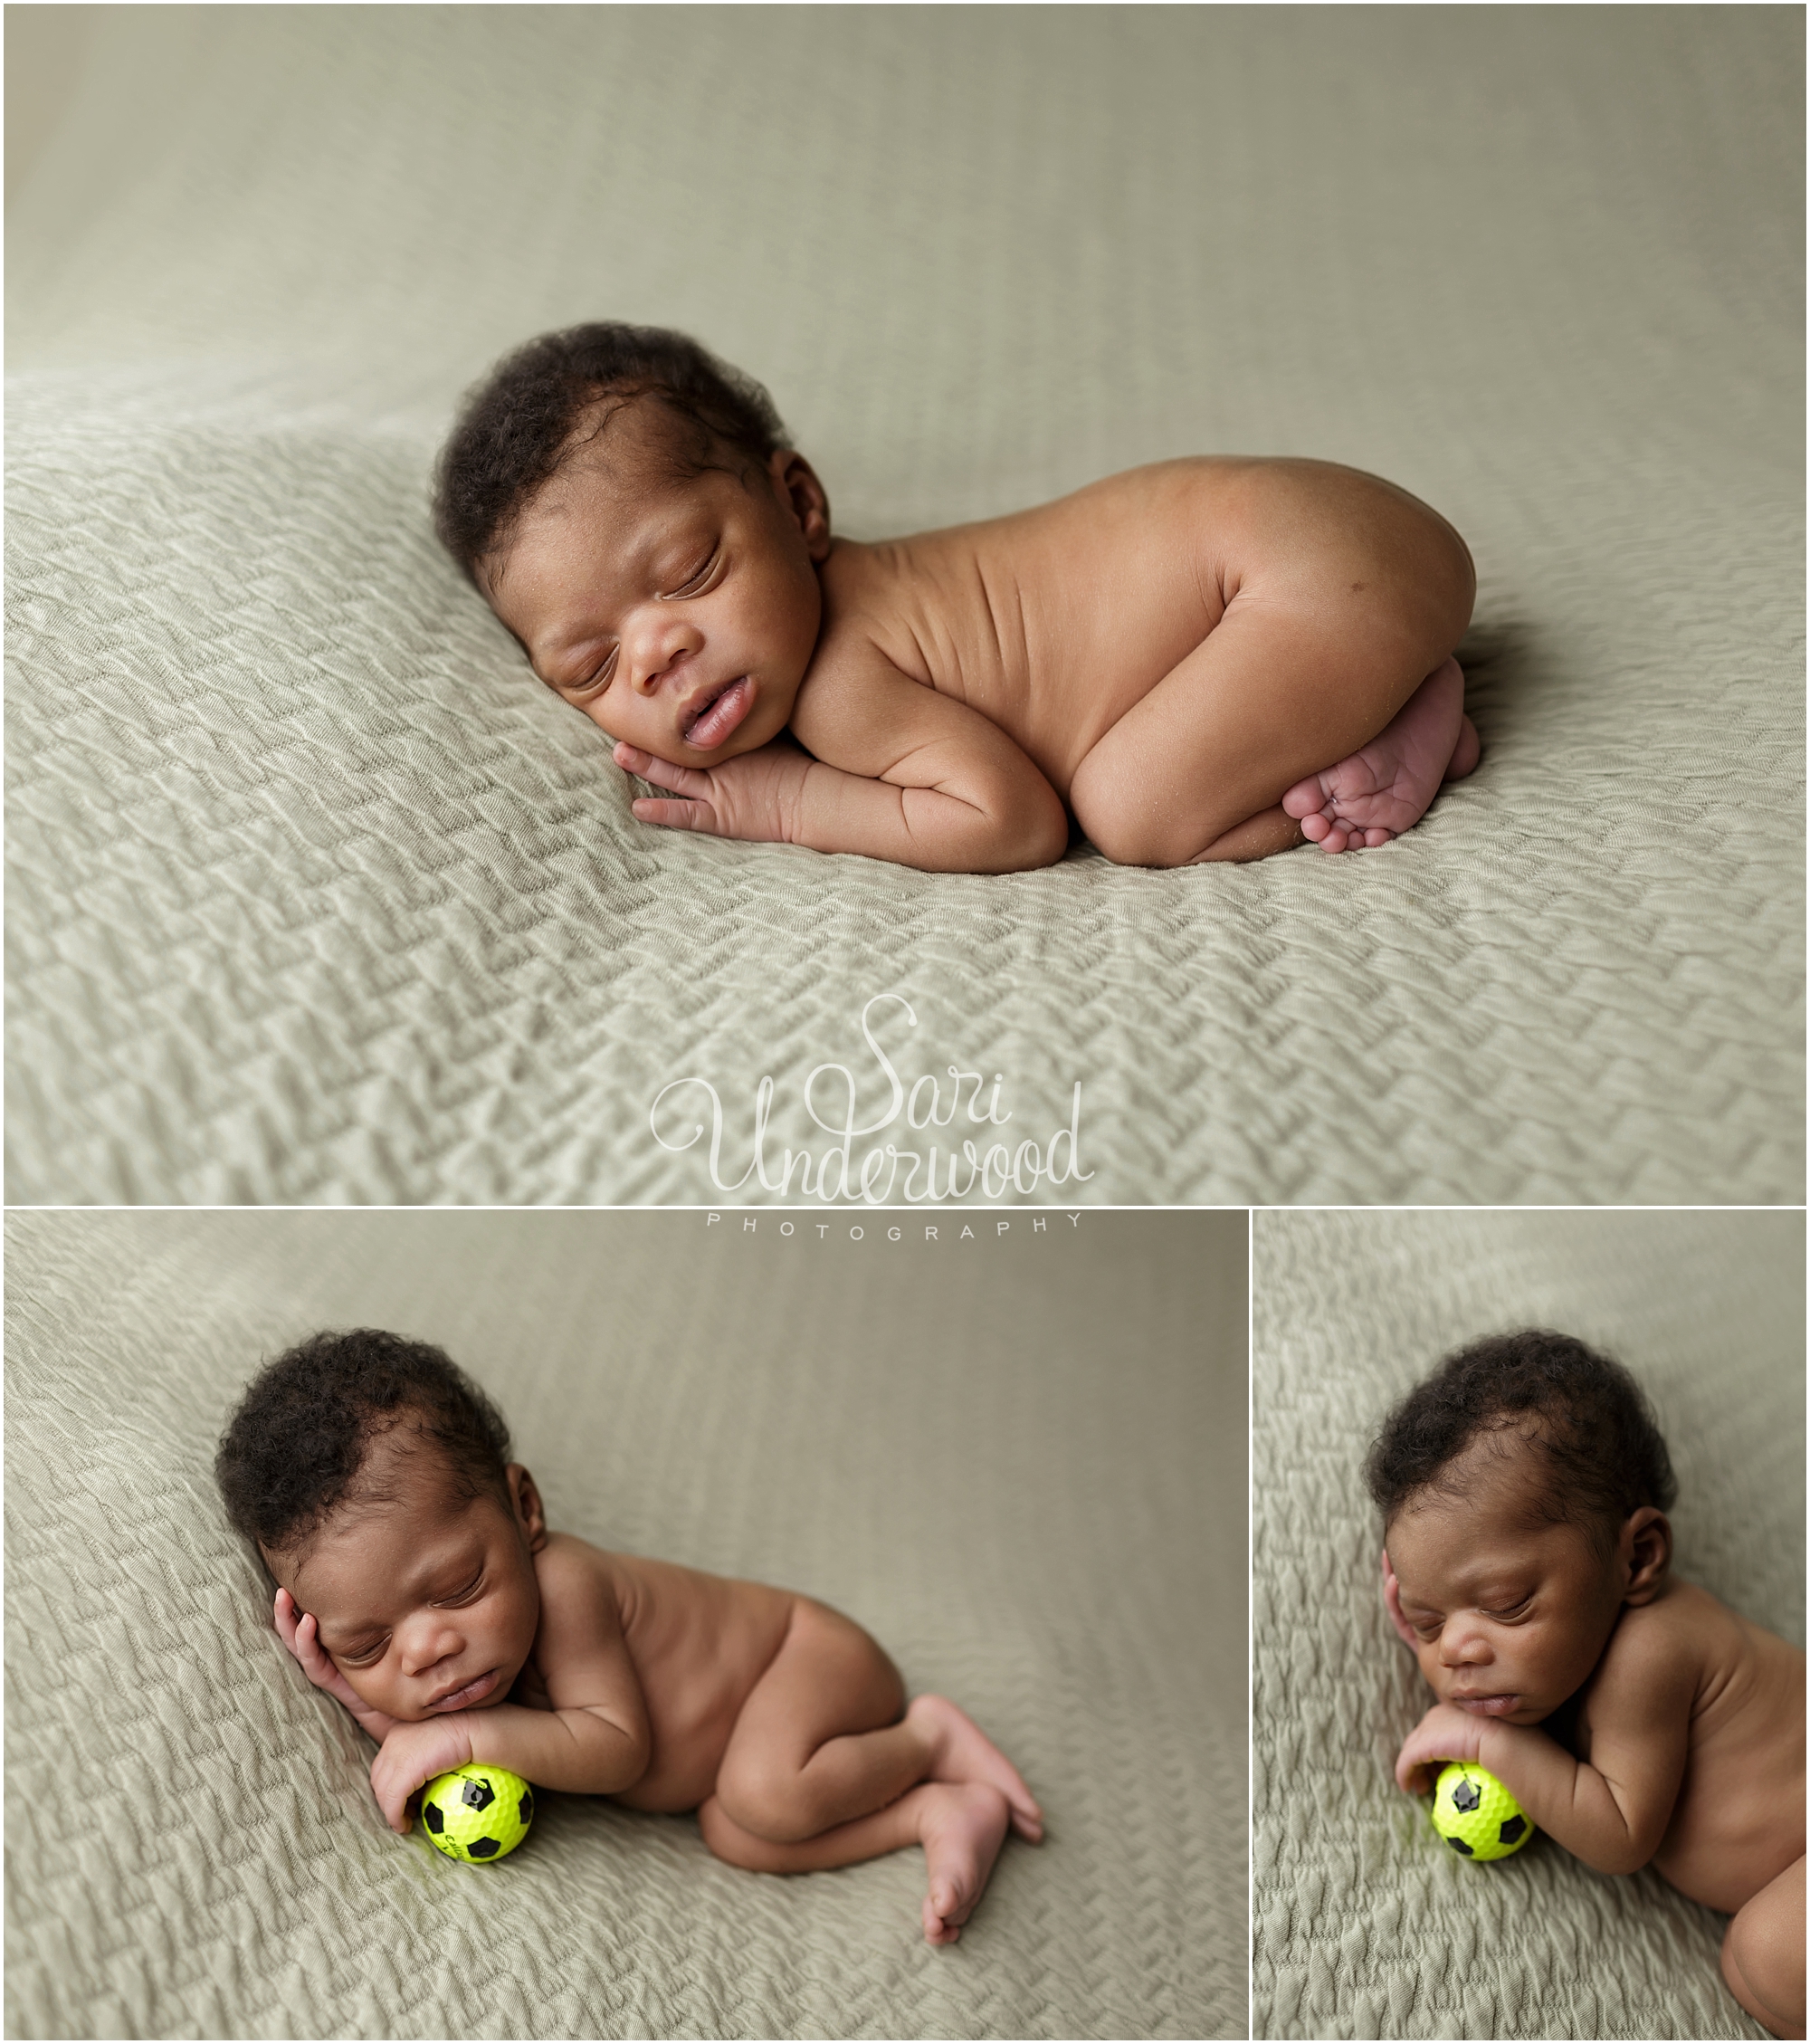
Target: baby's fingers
392, 1797
662, 773
1413, 1777
307, 1648
677, 815
297, 1630
1392, 1603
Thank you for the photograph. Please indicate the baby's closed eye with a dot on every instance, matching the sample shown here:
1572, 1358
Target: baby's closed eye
358, 1656
699, 579
593, 683
1513, 1608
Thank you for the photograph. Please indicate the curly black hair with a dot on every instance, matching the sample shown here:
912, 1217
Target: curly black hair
523, 421
1602, 1453
294, 1448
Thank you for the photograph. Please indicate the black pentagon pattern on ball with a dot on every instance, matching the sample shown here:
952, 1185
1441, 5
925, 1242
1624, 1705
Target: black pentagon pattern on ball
527, 1806
431, 1817
481, 1848
479, 1795
1458, 1844
1511, 1830
1467, 1795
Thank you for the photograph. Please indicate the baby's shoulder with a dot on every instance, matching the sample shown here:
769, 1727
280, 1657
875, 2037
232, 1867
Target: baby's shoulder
570, 1570
1665, 1645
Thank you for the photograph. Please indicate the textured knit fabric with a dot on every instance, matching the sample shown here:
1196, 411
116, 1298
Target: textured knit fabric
1366, 1925
318, 897
1018, 1461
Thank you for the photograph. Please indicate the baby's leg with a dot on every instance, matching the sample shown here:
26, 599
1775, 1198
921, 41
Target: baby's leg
1762, 1953
961, 1826
817, 1771
1199, 768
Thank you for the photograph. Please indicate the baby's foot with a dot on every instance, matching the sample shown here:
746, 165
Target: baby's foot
963, 1828
1384, 786
962, 1752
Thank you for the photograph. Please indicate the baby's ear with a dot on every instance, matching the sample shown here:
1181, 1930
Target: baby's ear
1646, 1551
796, 483
526, 1500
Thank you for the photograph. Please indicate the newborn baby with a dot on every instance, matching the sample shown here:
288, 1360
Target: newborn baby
1206, 659
1524, 1488
422, 1588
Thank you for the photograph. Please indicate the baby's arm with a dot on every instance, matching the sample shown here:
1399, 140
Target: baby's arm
1611, 1810
900, 773
593, 1741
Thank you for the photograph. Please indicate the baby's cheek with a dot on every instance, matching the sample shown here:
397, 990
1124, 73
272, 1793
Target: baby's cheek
369, 1687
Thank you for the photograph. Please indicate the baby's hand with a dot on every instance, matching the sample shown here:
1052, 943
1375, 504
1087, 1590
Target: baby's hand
414, 1754
753, 797
1446, 1732
1392, 1603
299, 1633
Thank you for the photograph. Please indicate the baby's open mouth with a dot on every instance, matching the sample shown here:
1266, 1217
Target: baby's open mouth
719, 715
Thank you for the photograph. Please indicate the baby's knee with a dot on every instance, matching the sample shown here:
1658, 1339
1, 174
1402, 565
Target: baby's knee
735, 1844
1122, 823
764, 1795
1763, 1963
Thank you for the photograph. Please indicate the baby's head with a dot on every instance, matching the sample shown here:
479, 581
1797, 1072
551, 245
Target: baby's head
375, 1477
1523, 1488
629, 507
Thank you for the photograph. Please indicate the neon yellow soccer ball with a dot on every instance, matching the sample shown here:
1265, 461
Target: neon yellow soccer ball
477, 1813
1476, 1815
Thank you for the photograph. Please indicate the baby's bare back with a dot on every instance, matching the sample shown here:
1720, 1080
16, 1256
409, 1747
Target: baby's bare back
1738, 1820
1053, 622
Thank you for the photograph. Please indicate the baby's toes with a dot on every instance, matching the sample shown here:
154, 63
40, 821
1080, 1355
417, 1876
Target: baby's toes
1376, 835
1314, 826
1305, 797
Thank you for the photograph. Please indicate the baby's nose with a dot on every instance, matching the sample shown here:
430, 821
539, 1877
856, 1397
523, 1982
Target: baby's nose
657, 648
427, 1645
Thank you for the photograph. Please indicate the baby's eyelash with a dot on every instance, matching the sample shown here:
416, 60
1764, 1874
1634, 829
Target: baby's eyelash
697, 576
364, 1654
597, 681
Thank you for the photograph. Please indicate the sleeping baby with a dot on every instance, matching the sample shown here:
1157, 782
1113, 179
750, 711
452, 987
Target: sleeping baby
1205, 659
421, 1588
1523, 1488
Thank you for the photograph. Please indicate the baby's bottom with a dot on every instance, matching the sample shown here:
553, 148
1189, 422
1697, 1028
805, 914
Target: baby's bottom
821, 1769
1763, 1954
1272, 730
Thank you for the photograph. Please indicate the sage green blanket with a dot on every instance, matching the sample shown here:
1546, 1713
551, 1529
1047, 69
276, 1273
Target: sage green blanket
316, 896
1366, 1926
1019, 1460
